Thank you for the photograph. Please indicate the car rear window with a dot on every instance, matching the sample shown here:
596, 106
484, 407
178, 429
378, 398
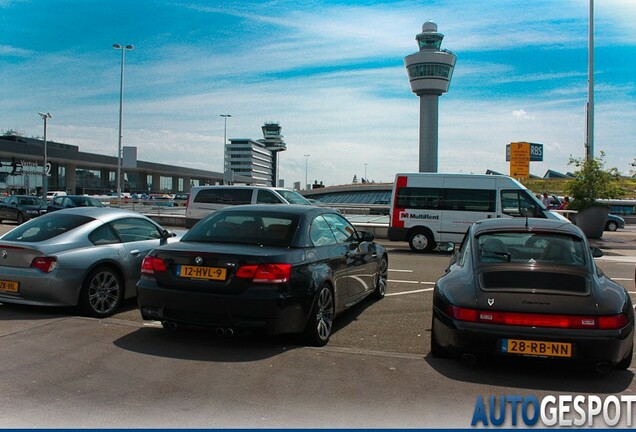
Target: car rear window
264, 229
531, 247
46, 227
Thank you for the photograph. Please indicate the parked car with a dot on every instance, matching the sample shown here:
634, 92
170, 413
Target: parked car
286, 269
52, 194
614, 222
70, 201
21, 208
530, 287
86, 256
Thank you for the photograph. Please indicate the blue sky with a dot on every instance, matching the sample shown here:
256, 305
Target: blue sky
330, 72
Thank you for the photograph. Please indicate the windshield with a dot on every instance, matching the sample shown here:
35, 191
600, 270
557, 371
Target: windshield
525, 247
293, 197
264, 229
28, 201
46, 227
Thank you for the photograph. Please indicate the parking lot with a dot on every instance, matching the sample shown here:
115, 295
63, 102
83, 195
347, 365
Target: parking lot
60, 370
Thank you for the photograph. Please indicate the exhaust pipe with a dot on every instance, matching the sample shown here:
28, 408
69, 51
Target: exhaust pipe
469, 359
228, 332
603, 368
219, 331
169, 325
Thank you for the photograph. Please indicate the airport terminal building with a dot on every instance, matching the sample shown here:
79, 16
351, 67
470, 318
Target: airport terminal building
74, 171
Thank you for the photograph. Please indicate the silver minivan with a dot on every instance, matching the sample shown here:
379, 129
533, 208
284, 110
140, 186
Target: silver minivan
207, 199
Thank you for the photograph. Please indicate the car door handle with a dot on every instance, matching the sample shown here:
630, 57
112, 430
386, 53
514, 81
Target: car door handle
135, 252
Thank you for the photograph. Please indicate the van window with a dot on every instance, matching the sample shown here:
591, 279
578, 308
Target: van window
266, 197
229, 196
419, 198
517, 203
482, 200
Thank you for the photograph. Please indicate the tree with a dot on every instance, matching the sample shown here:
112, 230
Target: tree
591, 182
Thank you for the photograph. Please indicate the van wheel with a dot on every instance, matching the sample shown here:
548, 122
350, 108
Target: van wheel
421, 241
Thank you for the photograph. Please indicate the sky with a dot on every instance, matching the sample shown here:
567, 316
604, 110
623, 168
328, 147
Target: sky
331, 73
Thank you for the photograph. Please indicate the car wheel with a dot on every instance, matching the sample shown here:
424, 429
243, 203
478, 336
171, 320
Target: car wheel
421, 241
20, 218
321, 318
381, 282
102, 292
611, 226
627, 361
437, 350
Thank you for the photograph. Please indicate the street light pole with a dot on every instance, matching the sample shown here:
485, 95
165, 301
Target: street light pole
225, 162
365, 172
306, 163
123, 49
589, 112
45, 178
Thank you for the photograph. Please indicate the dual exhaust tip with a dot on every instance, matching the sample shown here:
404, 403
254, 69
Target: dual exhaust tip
220, 331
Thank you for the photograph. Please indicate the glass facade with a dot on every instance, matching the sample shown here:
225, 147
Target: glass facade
430, 70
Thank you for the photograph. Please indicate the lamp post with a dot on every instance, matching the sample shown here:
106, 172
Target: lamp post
306, 163
45, 178
365, 172
123, 49
589, 112
225, 161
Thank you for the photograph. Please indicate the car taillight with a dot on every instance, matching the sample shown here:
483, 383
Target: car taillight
610, 322
46, 264
265, 273
152, 264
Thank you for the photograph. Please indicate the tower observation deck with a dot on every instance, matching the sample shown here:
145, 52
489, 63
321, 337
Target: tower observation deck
430, 71
273, 141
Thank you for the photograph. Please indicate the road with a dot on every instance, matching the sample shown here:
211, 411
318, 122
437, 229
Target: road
60, 370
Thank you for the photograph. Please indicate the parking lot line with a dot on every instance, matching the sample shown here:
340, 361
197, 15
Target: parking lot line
409, 292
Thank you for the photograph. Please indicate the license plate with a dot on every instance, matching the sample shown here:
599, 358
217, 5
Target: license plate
9, 286
536, 348
205, 273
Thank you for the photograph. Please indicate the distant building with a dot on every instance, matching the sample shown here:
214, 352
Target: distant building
249, 158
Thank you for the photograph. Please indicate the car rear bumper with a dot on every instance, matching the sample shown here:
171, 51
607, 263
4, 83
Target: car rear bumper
256, 308
588, 346
59, 288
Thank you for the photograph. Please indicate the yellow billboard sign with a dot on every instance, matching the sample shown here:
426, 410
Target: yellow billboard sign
520, 160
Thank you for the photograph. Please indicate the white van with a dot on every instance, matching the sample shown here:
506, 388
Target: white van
429, 208
204, 200
52, 194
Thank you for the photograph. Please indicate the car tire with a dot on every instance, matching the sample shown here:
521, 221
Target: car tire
19, 218
421, 241
626, 362
320, 321
381, 282
102, 292
611, 226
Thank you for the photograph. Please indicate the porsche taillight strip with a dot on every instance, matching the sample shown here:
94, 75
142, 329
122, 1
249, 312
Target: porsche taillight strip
604, 322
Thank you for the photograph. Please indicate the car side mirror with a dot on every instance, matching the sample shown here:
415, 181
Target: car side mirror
167, 234
366, 236
596, 252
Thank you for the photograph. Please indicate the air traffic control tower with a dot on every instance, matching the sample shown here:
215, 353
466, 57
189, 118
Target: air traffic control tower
430, 71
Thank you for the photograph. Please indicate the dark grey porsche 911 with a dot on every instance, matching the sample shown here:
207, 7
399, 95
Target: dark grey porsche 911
530, 287
283, 268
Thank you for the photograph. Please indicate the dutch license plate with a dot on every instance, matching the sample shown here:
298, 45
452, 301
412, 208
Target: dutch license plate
205, 273
536, 348
9, 286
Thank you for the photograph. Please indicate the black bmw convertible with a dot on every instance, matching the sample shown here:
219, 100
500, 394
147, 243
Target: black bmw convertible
280, 268
530, 287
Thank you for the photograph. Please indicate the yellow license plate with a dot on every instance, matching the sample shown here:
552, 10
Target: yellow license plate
9, 286
205, 273
536, 348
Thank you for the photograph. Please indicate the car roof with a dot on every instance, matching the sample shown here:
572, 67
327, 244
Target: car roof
290, 209
526, 224
105, 214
